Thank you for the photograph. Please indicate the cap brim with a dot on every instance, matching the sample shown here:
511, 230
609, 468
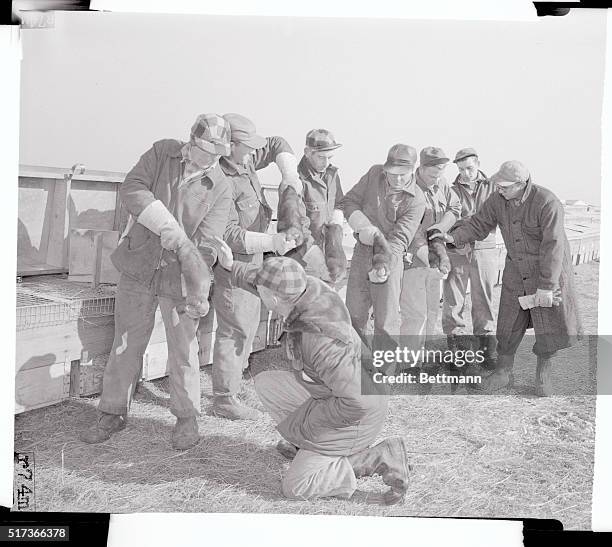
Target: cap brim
438, 161
397, 169
220, 149
496, 179
325, 148
457, 160
255, 141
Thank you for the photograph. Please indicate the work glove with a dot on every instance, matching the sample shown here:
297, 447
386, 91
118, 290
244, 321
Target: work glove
378, 275
256, 242
544, 298
225, 257
337, 217
160, 221
287, 165
366, 234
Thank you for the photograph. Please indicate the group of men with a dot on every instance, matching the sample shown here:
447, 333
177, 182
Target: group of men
205, 192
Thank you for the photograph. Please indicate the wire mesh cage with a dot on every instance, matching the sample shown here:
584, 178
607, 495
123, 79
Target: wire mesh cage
43, 302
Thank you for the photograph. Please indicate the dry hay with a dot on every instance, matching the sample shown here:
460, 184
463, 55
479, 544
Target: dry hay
511, 455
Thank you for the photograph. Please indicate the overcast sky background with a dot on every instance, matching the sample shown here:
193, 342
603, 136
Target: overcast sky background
100, 88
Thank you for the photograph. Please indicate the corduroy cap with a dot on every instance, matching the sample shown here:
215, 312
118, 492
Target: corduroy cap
510, 172
211, 132
464, 154
401, 159
321, 140
432, 155
244, 131
282, 275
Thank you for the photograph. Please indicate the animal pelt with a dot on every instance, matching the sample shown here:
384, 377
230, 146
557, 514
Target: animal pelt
381, 258
292, 219
438, 257
335, 258
196, 277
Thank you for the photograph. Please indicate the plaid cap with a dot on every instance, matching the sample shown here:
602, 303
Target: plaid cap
321, 140
432, 155
211, 132
282, 275
464, 154
510, 172
400, 159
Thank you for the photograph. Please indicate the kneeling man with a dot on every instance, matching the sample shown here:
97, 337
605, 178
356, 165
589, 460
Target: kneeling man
319, 407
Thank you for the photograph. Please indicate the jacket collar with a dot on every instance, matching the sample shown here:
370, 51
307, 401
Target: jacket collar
306, 170
408, 189
231, 168
320, 310
214, 174
481, 179
423, 185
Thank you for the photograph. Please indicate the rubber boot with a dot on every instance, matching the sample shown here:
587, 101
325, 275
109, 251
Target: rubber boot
488, 345
543, 380
185, 434
387, 459
106, 424
501, 377
228, 406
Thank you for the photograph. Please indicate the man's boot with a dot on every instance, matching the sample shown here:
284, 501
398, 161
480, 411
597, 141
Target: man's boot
287, 449
106, 424
543, 379
488, 345
185, 434
501, 377
228, 406
387, 459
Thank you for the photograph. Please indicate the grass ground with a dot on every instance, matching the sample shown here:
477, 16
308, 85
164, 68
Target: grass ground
509, 455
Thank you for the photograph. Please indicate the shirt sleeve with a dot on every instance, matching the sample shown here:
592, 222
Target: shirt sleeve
234, 233
552, 246
243, 276
265, 155
407, 225
353, 200
478, 226
135, 191
453, 203
213, 225
339, 191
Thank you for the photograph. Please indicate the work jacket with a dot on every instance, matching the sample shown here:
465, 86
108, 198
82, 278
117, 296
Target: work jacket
322, 194
201, 207
439, 199
471, 201
249, 211
538, 257
396, 214
325, 354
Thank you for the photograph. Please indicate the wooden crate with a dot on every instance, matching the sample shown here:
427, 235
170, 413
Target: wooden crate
41, 386
86, 375
90, 252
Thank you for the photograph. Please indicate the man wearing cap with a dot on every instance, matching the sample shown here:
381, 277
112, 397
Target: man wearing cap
179, 197
320, 409
388, 200
538, 268
322, 191
237, 310
420, 296
476, 263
